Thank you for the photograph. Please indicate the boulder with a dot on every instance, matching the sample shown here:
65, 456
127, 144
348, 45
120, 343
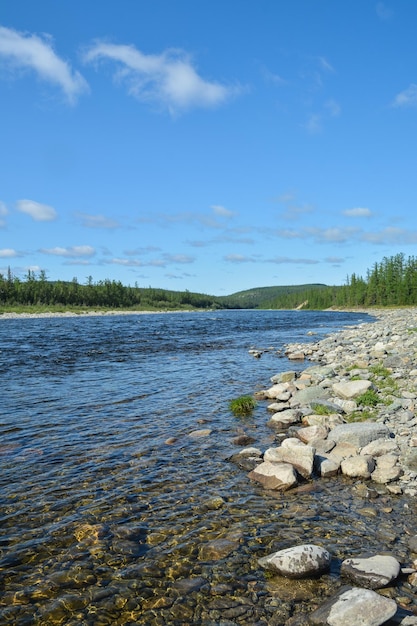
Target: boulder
352, 606
358, 466
277, 476
325, 466
373, 572
298, 562
359, 433
309, 433
300, 456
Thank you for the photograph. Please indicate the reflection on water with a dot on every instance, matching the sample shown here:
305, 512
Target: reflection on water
112, 514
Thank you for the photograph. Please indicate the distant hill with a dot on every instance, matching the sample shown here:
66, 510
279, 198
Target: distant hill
262, 297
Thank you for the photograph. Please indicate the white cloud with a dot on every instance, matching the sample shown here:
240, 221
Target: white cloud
168, 79
8, 253
407, 98
71, 251
358, 212
222, 211
26, 51
38, 212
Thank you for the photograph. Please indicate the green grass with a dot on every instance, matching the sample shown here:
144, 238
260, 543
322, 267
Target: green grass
244, 405
369, 398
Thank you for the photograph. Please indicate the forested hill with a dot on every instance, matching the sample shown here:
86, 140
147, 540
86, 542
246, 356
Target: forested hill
391, 282
263, 297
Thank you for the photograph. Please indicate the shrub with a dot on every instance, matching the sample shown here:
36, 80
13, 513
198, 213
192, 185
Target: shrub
243, 405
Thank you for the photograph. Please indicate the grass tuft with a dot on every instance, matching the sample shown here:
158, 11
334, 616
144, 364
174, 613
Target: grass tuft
243, 405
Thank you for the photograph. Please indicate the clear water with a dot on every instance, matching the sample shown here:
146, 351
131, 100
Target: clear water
111, 513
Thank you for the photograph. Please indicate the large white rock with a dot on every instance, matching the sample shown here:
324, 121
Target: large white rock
358, 466
351, 389
298, 455
278, 476
298, 562
373, 572
285, 418
353, 606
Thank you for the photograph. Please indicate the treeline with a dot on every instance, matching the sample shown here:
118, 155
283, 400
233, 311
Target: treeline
36, 290
391, 282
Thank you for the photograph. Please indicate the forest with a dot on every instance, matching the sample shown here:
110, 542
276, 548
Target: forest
390, 282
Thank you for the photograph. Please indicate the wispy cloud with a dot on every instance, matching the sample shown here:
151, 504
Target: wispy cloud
71, 251
383, 11
284, 260
314, 124
97, 221
406, 98
37, 211
239, 258
358, 212
168, 79
9, 253
293, 209
23, 51
320, 235
391, 235
3, 212
222, 211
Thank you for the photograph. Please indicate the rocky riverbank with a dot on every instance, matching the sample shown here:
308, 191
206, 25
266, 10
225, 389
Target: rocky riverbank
349, 415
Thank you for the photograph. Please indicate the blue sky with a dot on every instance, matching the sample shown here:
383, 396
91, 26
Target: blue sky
209, 145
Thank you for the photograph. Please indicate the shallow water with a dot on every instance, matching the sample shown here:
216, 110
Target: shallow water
104, 522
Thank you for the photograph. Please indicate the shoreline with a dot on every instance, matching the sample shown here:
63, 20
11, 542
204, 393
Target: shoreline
114, 312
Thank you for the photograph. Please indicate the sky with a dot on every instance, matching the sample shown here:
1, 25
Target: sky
207, 145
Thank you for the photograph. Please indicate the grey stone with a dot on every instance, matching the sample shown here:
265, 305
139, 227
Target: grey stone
353, 606
298, 562
359, 433
325, 466
277, 476
308, 395
358, 466
379, 447
285, 418
373, 572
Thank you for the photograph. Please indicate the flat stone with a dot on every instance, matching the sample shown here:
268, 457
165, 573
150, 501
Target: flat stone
277, 476
359, 433
203, 432
352, 606
378, 447
351, 389
374, 572
276, 390
308, 395
384, 475
298, 562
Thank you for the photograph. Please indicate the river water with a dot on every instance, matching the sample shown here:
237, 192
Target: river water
111, 513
